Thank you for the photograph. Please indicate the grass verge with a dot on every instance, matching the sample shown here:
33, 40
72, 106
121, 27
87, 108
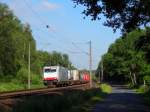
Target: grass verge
14, 86
145, 91
68, 101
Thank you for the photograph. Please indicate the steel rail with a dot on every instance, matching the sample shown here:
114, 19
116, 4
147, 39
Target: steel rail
41, 91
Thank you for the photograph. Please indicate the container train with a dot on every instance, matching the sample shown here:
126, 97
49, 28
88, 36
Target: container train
61, 76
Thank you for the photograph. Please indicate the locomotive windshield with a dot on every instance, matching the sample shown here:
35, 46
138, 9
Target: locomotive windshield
49, 70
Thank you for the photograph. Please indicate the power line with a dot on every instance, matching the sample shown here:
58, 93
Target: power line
79, 48
47, 26
35, 13
51, 30
40, 19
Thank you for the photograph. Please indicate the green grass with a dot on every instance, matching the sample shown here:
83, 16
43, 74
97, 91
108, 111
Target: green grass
20, 81
9, 86
105, 88
5, 87
14, 85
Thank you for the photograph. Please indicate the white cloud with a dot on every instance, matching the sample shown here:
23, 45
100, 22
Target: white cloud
47, 6
50, 6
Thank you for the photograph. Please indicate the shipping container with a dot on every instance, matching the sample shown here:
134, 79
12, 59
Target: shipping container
75, 74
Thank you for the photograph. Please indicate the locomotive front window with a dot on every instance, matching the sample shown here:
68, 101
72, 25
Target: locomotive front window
50, 70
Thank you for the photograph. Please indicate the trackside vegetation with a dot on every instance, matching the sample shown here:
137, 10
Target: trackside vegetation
105, 88
127, 60
15, 37
67, 101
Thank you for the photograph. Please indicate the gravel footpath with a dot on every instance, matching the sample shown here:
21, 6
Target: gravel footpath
121, 99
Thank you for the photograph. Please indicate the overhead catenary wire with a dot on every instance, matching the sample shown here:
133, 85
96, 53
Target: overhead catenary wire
79, 48
35, 13
41, 20
47, 26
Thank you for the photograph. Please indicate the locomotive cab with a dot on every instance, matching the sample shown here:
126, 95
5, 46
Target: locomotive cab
50, 76
55, 75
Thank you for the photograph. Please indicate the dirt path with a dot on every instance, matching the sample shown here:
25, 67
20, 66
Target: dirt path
121, 100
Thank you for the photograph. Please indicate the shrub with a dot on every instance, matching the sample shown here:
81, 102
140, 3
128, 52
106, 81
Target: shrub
22, 77
105, 88
143, 89
10, 87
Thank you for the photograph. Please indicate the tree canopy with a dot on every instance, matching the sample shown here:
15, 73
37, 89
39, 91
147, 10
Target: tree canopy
128, 58
125, 14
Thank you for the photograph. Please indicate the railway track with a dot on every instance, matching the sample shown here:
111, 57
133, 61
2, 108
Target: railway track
41, 91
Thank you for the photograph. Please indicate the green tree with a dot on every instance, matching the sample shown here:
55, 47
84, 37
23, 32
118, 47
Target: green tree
125, 61
7, 49
14, 42
124, 14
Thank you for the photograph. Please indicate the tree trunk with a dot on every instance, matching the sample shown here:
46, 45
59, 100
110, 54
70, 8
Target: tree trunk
132, 78
135, 79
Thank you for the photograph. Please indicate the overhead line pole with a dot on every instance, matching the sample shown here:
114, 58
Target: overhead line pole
90, 62
29, 77
102, 70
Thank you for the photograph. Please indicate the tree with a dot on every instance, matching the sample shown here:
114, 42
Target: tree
144, 44
125, 61
14, 42
7, 50
125, 14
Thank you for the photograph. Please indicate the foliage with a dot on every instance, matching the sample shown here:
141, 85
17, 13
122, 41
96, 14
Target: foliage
14, 40
22, 77
124, 14
105, 88
143, 89
10, 86
126, 59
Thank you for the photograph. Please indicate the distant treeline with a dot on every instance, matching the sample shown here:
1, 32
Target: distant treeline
14, 47
128, 59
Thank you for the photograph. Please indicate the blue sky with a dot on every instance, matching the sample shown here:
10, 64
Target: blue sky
68, 32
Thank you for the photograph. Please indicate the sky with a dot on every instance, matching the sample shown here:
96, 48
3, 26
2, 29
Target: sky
67, 31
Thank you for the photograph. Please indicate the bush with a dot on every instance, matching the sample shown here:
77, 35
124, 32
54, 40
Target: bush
143, 89
22, 77
147, 79
10, 87
105, 88
20, 82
